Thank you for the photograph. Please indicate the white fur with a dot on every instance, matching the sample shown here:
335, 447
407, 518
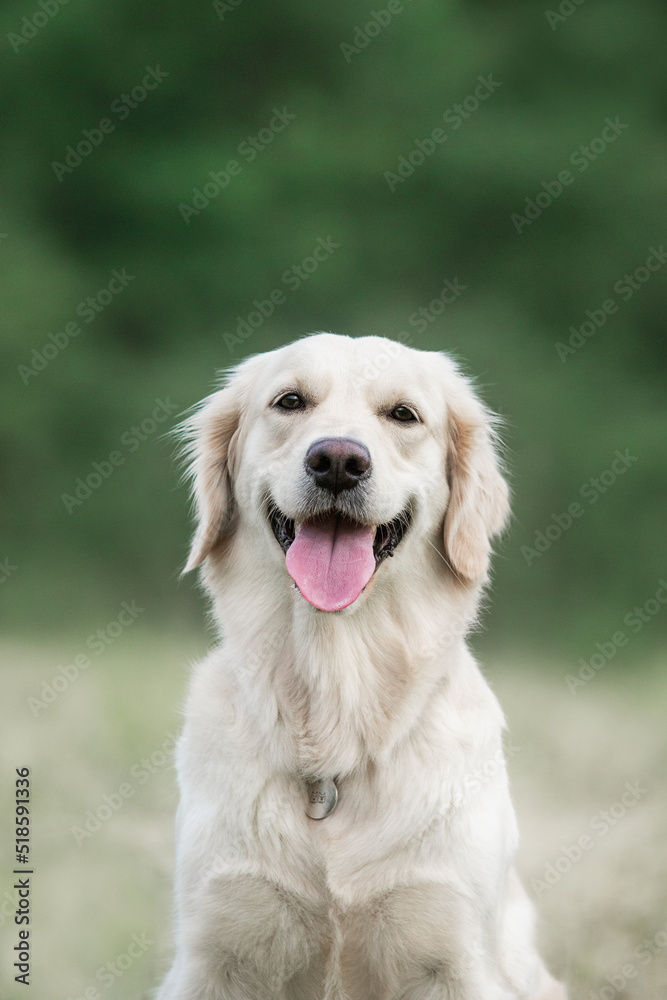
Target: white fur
406, 891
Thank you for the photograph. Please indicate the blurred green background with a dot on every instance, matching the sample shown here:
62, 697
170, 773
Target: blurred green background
516, 151
218, 75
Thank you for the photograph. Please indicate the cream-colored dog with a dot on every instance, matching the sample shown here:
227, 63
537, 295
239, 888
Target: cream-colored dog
345, 827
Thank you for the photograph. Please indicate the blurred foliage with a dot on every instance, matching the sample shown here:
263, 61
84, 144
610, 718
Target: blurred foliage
229, 66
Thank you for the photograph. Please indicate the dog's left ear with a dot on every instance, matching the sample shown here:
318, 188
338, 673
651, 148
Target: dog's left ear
211, 436
478, 505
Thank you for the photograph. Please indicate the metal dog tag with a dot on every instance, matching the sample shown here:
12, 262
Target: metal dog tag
322, 798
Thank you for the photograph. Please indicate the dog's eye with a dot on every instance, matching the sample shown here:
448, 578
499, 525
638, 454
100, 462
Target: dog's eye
404, 414
290, 401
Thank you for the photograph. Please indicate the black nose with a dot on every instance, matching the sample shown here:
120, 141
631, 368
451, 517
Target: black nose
338, 464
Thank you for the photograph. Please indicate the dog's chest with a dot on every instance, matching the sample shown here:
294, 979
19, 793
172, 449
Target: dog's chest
351, 839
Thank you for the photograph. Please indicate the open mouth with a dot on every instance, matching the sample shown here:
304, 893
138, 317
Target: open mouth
331, 558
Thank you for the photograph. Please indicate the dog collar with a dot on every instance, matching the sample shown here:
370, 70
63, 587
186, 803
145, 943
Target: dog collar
322, 798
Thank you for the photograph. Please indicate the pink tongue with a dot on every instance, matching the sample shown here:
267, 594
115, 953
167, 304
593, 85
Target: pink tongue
331, 562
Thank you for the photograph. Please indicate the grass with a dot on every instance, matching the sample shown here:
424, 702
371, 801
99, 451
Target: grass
577, 752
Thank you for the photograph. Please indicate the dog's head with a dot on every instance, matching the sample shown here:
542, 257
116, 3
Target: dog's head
335, 453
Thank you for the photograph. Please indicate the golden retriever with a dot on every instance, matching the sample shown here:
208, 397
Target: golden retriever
345, 830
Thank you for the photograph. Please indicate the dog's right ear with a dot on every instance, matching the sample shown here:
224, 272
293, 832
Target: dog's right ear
211, 436
478, 507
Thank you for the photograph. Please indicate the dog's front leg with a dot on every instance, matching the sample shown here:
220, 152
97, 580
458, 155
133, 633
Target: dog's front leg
193, 979
245, 938
481, 983
226, 980
421, 942
442, 986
